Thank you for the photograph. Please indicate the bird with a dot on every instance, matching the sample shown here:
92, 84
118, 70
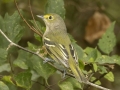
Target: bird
60, 48
59, 45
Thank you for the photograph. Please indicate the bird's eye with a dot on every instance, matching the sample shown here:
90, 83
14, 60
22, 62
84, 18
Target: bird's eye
50, 17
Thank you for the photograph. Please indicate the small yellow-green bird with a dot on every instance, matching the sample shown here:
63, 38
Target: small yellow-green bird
59, 46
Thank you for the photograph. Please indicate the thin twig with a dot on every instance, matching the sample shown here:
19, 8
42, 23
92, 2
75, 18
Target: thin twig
97, 86
34, 18
33, 29
98, 78
43, 85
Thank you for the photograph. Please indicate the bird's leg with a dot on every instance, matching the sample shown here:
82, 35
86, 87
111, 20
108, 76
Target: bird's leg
48, 60
64, 73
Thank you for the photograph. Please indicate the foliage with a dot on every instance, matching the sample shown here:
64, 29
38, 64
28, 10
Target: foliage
31, 68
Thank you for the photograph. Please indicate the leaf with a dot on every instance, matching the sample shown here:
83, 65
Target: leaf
95, 67
3, 55
96, 26
94, 78
33, 47
35, 76
3, 86
109, 76
70, 84
102, 69
105, 59
108, 40
10, 25
11, 86
21, 60
37, 37
66, 86
44, 70
116, 58
3, 41
37, 25
8, 79
35, 63
56, 6
5, 67
23, 79
20, 63
90, 50
91, 54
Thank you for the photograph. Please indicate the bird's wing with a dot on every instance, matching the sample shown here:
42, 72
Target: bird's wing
57, 51
73, 53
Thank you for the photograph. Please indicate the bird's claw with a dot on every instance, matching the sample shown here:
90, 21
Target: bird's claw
47, 60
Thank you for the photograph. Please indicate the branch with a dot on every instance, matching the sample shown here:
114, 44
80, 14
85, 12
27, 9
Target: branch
31, 27
37, 54
97, 86
34, 20
47, 87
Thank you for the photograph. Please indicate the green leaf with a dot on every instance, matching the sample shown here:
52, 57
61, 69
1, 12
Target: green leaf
35, 76
66, 86
56, 6
94, 52
105, 59
3, 41
109, 76
37, 37
3, 86
94, 78
70, 84
102, 69
35, 63
23, 80
91, 54
116, 58
8, 79
10, 25
21, 60
44, 70
32, 46
95, 67
108, 40
3, 55
5, 67
20, 63
37, 25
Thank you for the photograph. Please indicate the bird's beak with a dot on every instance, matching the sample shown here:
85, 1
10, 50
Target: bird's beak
40, 16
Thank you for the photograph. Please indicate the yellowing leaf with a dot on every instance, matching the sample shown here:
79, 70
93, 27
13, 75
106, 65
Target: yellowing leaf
110, 76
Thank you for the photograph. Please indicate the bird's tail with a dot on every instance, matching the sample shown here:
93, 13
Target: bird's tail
78, 73
81, 78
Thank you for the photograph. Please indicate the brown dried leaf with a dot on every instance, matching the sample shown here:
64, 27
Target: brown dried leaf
96, 26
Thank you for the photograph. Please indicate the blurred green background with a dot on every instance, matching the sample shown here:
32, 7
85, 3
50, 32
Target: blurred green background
79, 14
